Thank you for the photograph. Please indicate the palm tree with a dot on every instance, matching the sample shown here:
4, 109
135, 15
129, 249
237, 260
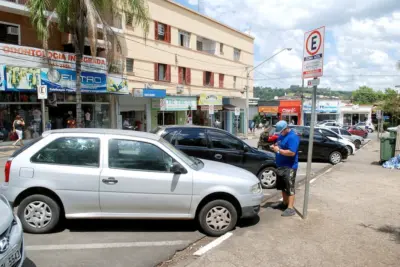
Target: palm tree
83, 18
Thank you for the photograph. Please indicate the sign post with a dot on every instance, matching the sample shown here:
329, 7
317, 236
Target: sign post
42, 95
237, 114
313, 63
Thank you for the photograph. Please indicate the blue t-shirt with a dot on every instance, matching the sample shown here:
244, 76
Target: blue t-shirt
288, 142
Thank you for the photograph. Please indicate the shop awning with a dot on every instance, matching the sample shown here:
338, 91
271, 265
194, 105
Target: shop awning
229, 107
206, 108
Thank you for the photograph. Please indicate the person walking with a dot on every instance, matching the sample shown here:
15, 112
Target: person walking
287, 161
18, 127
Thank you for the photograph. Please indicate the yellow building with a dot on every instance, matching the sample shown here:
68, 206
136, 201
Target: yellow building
186, 55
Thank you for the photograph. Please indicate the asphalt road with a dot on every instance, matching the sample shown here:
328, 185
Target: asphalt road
101, 243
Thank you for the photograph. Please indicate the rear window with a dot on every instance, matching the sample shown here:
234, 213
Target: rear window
26, 146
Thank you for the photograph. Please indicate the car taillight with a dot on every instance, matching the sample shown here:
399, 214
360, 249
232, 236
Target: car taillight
7, 169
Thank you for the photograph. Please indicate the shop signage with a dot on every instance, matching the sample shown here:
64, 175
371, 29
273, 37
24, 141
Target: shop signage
149, 93
205, 108
211, 109
175, 103
42, 92
322, 107
289, 110
117, 84
237, 111
206, 100
268, 110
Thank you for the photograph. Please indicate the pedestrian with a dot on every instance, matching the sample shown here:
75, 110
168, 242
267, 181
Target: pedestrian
287, 161
252, 126
18, 126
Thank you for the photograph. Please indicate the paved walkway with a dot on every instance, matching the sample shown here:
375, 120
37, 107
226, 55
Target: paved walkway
353, 220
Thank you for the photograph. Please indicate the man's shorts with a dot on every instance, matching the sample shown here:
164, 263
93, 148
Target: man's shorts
286, 180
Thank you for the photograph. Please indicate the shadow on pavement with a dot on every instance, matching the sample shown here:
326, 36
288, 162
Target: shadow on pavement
392, 230
28, 263
244, 223
129, 226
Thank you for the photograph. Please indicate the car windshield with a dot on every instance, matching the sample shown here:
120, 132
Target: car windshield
191, 161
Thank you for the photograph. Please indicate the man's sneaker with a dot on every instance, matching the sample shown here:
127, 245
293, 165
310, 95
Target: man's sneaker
279, 206
288, 212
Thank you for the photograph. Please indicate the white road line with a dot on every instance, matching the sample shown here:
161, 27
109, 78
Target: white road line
107, 245
312, 180
212, 244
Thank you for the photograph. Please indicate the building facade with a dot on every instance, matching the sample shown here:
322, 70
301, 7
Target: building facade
194, 60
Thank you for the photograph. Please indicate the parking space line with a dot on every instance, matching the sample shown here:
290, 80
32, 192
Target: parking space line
107, 245
212, 244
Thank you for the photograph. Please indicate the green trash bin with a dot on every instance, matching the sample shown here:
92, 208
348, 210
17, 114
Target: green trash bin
388, 145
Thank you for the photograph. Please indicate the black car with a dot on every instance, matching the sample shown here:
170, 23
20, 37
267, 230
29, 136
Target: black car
219, 145
324, 148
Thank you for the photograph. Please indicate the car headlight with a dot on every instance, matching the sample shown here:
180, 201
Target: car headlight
256, 189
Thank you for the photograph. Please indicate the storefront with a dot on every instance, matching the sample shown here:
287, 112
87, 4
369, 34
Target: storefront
202, 115
172, 110
290, 111
269, 111
135, 108
352, 114
325, 110
29, 68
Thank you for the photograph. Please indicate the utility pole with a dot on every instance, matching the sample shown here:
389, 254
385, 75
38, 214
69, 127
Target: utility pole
302, 102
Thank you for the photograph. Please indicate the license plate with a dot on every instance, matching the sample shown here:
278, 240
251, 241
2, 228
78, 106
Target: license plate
11, 259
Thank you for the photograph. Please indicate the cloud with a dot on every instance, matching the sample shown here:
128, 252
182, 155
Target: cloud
362, 38
193, 2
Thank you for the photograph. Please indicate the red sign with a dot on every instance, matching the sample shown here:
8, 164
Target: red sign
289, 110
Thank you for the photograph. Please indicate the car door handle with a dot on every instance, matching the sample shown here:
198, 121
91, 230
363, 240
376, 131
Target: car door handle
218, 156
110, 180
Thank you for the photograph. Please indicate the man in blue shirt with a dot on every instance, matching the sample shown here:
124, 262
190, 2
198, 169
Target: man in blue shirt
287, 160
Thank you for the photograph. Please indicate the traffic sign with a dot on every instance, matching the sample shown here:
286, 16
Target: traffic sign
313, 82
379, 114
42, 92
211, 109
163, 104
237, 111
313, 53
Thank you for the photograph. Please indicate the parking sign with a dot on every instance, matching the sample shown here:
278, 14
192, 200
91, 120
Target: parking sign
313, 54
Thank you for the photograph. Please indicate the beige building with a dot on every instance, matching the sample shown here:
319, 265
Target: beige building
190, 56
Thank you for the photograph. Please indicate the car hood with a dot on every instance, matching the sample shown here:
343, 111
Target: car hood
215, 168
6, 217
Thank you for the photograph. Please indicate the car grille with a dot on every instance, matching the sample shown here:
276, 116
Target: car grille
7, 232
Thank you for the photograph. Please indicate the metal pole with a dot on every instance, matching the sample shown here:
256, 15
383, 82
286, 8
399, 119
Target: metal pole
43, 116
246, 114
310, 152
163, 122
302, 102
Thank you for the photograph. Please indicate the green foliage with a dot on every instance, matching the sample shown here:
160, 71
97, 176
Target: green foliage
365, 95
268, 93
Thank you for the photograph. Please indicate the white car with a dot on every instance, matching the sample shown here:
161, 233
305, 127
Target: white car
366, 125
329, 124
12, 252
335, 137
357, 140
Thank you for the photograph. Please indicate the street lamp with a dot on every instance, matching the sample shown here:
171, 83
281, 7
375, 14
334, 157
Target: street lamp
246, 115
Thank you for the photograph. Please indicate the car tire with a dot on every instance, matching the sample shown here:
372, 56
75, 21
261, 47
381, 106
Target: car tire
46, 212
335, 157
350, 149
357, 144
268, 177
370, 130
217, 217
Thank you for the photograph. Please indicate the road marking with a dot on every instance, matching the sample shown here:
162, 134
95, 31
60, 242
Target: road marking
212, 244
312, 180
107, 245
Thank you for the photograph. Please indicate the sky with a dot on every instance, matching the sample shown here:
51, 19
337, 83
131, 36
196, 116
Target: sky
362, 38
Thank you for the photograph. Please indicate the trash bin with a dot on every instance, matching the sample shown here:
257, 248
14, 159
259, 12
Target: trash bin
388, 145
392, 134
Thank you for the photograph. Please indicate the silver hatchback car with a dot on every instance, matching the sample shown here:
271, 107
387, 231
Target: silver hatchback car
114, 174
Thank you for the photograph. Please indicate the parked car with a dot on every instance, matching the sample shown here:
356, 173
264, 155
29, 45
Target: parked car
219, 145
324, 149
392, 129
367, 126
329, 124
357, 140
336, 137
117, 174
356, 130
12, 251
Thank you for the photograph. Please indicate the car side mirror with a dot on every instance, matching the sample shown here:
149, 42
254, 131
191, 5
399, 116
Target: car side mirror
177, 168
246, 149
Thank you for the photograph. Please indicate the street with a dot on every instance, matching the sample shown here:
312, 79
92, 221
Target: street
118, 242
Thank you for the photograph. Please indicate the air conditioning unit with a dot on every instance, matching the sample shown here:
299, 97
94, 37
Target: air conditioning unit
12, 30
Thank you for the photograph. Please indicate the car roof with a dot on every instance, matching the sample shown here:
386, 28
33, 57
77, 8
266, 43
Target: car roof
103, 131
187, 126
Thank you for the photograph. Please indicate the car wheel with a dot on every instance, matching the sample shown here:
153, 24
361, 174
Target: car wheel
218, 217
38, 214
370, 130
335, 157
357, 144
350, 149
268, 178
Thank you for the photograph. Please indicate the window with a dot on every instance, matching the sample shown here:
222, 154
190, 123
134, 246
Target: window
75, 151
129, 19
162, 72
221, 48
135, 155
234, 82
191, 137
328, 133
184, 39
224, 141
9, 33
208, 78
162, 32
336, 130
184, 75
169, 135
129, 64
221, 80
344, 132
199, 46
236, 54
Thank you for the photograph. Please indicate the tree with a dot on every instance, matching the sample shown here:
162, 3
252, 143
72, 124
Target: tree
82, 18
391, 105
364, 95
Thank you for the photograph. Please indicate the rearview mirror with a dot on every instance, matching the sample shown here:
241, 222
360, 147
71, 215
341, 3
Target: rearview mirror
177, 168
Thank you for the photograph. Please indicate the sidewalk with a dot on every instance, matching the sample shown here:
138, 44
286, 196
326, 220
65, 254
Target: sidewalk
353, 220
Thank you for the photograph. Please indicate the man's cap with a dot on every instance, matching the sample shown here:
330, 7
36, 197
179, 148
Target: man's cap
280, 126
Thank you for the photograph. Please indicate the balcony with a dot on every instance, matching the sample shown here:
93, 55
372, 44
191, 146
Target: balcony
21, 2
205, 45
